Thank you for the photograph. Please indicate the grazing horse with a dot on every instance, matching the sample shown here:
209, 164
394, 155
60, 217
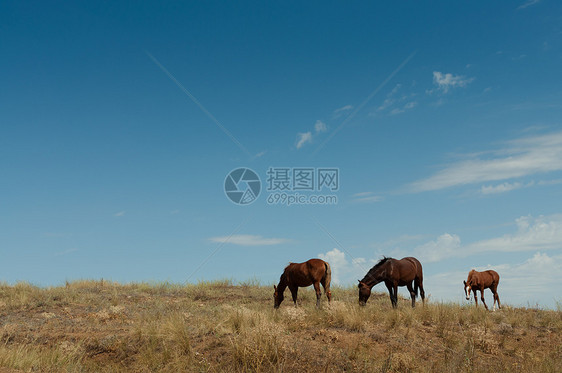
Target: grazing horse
394, 273
312, 272
480, 281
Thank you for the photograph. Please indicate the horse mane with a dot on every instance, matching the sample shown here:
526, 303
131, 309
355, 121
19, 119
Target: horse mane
382, 261
371, 272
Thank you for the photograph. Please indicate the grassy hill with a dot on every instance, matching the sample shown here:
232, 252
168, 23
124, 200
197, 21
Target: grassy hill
103, 326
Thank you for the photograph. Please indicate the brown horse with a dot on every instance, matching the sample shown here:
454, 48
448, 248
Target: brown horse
312, 272
394, 273
480, 281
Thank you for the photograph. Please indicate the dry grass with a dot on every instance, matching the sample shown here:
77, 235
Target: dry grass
108, 327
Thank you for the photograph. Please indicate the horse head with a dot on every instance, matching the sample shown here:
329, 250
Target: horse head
364, 293
467, 289
277, 297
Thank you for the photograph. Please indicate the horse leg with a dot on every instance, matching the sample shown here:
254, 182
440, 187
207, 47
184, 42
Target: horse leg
390, 288
496, 297
318, 293
482, 298
327, 290
394, 295
419, 283
294, 292
412, 294
475, 297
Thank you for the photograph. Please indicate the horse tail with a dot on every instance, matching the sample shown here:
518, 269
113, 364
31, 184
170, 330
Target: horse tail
419, 277
327, 275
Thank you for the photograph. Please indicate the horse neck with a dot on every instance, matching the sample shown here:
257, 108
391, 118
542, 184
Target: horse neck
374, 276
282, 283
471, 276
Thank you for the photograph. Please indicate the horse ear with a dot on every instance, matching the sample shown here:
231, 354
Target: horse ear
359, 281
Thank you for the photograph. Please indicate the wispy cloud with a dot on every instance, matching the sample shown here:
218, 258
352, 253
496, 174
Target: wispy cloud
528, 4
306, 137
320, 126
362, 104
303, 138
119, 214
517, 158
500, 188
343, 108
407, 106
67, 251
366, 197
249, 240
260, 154
390, 99
447, 81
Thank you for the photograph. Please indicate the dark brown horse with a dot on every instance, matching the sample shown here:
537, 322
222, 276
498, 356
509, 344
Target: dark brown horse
480, 281
394, 273
312, 272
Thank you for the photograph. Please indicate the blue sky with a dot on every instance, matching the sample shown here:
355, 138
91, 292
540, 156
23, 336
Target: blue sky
120, 122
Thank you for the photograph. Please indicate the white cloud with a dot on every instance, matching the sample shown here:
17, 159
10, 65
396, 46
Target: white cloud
119, 214
444, 246
260, 154
528, 3
500, 188
533, 234
522, 157
320, 126
248, 240
446, 81
303, 138
344, 272
338, 263
306, 137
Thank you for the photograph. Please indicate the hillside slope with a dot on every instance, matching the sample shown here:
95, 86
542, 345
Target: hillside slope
103, 326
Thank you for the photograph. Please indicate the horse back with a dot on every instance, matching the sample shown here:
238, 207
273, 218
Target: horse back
494, 276
406, 269
417, 265
485, 278
305, 274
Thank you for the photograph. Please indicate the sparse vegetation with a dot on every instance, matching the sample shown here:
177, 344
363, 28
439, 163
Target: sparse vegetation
218, 326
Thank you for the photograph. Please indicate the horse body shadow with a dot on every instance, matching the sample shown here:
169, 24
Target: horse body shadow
482, 280
314, 272
394, 273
